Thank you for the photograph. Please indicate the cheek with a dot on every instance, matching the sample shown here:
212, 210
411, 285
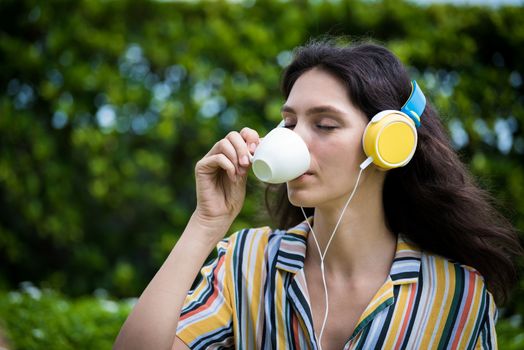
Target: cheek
339, 155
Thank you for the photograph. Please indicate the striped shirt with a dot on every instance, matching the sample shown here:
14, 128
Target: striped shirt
254, 296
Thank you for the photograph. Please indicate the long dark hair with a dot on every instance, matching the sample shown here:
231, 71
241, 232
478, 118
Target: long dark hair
433, 200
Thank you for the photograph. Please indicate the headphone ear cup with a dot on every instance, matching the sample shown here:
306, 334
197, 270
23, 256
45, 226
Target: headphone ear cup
390, 138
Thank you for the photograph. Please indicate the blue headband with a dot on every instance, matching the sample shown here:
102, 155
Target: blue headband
414, 106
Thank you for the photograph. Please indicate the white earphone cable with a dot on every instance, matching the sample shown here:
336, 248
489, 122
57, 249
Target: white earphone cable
323, 255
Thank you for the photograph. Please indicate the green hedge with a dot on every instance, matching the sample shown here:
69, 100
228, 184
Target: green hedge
44, 319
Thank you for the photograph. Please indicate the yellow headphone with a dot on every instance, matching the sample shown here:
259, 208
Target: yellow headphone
390, 138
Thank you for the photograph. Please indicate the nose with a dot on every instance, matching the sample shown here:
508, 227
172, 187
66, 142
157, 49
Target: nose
302, 131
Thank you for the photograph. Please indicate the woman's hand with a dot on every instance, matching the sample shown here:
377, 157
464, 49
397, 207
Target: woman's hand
221, 179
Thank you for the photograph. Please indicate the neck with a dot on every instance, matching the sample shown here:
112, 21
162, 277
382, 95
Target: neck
362, 243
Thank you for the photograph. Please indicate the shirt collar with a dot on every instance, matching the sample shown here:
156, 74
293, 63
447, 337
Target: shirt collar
292, 252
292, 248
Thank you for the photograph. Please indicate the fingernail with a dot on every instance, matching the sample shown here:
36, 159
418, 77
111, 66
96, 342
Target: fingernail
244, 160
252, 147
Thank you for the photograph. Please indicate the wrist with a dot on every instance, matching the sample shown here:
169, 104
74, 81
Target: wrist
212, 223
208, 231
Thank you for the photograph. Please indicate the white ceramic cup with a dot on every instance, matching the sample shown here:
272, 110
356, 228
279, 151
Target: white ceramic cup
281, 156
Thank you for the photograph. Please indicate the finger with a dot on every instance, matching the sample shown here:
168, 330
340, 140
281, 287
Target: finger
241, 148
225, 147
251, 137
210, 165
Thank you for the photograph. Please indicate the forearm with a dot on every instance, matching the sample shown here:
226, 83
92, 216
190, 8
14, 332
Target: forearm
152, 323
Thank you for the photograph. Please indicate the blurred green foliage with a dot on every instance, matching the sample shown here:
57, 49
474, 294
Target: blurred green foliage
105, 107
44, 319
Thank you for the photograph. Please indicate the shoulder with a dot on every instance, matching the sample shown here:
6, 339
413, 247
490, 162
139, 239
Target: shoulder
257, 235
250, 242
249, 255
461, 285
447, 270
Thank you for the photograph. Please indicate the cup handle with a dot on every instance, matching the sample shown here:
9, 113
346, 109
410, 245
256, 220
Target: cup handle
251, 156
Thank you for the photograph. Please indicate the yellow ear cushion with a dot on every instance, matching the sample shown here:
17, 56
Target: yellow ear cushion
390, 141
395, 142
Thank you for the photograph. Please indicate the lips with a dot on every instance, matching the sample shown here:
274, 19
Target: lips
304, 176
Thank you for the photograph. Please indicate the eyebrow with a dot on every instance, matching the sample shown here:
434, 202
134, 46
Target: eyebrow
313, 110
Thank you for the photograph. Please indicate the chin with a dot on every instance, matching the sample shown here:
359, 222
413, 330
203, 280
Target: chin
301, 198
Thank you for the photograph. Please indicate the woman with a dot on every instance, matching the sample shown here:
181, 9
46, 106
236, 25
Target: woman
418, 260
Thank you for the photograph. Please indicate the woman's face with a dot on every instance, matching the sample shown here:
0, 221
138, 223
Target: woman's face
319, 110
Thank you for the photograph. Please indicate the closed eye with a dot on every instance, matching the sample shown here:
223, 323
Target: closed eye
319, 126
326, 127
